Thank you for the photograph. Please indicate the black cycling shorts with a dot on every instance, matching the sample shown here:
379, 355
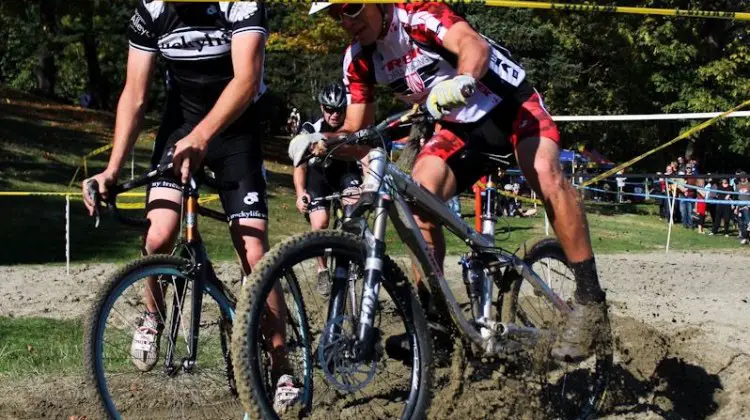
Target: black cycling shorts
235, 159
338, 177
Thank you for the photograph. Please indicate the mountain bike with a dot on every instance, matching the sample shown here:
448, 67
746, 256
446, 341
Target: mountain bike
515, 303
196, 311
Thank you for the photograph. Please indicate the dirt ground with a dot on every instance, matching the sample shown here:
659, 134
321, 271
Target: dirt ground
681, 324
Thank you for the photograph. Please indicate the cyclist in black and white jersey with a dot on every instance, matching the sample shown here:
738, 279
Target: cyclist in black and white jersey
315, 181
214, 54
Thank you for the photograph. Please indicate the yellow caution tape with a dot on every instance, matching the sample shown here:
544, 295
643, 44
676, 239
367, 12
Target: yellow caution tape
692, 13
682, 136
97, 151
520, 197
204, 199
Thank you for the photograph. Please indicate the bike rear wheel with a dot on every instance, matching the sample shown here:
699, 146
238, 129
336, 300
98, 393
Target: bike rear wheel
205, 390
566, 390
394, 389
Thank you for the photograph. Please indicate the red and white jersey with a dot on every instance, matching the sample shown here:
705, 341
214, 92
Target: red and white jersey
411, 60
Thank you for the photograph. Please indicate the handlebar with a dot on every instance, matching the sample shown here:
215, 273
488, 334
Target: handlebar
111, 201
113, 191
368, 136
373, 136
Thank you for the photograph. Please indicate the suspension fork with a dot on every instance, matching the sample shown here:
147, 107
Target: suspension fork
338, 296
375, 244
489, 218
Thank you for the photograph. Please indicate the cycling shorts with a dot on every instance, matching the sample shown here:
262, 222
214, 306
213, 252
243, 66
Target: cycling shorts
462, 145
236, 160
337, 177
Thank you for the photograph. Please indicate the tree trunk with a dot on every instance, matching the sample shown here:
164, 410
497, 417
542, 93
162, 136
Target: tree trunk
97, 89
45, 69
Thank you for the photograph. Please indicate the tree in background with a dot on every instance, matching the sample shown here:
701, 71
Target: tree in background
583, 63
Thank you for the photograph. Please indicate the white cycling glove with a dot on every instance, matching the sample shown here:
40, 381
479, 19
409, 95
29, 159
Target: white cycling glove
450, 94
300, 145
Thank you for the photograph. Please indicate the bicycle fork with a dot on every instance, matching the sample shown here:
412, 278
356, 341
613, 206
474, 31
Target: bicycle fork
373, 275
196, 300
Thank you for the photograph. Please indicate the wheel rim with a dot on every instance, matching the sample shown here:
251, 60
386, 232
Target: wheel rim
312, 301
104, 384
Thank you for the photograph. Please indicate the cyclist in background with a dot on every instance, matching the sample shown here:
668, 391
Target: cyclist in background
315, 181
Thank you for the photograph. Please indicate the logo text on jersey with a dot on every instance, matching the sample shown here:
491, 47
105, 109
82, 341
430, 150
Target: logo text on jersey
196, 40
138, 25
402, 61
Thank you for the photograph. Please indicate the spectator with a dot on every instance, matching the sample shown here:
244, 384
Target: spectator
700, 206
711, 207
685, 194
723, 211
693, 166
292, 123
681, 164
743, 210
620, 186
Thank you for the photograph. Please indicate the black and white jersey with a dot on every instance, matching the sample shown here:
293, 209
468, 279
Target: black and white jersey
195, 40
320, 126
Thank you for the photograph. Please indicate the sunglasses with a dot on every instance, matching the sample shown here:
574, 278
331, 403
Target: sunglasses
350, 10
332, 110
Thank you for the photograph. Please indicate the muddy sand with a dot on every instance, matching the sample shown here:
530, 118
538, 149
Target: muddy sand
681, 325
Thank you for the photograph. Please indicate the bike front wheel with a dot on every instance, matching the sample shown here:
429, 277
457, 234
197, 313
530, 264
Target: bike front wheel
383, 387
132, 383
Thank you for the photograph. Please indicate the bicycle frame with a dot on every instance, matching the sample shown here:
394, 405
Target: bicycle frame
393, 189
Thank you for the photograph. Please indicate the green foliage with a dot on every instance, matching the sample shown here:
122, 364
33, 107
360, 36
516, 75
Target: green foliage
582, 63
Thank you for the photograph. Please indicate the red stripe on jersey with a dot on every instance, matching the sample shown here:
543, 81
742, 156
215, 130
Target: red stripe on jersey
359, 77
427, 19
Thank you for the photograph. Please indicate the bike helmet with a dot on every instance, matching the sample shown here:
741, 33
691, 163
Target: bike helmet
333, 96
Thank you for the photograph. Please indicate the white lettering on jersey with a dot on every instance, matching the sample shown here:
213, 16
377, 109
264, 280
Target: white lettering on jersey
195, 44
506, 68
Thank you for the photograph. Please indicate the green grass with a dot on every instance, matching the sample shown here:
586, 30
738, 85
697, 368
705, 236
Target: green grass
37, 346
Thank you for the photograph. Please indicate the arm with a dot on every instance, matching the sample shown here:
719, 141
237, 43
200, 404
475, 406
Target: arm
472, 50
358, 116
299, 175
131, 107
300, 181
247, 62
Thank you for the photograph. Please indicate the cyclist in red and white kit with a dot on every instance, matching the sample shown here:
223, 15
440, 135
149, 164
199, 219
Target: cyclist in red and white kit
426, 53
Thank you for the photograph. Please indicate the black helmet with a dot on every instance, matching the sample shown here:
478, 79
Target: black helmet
333, 96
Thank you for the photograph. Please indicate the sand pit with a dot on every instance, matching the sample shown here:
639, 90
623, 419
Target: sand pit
681, 325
